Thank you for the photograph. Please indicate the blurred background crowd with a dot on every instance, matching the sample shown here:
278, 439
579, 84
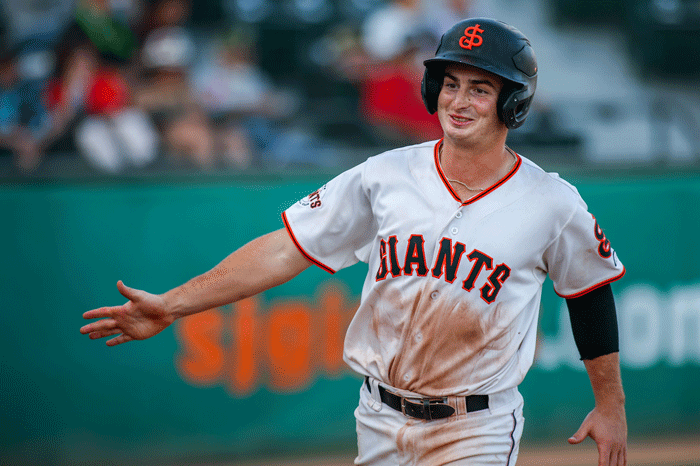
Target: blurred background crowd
130, 86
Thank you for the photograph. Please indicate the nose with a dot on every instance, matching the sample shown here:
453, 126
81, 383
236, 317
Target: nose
462, 98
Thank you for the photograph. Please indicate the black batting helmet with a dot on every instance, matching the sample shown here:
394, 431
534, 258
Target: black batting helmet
492, 46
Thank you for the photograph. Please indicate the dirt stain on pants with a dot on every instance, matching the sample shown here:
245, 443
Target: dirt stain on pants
488, 437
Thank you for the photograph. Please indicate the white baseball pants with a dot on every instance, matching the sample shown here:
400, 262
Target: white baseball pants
386, 437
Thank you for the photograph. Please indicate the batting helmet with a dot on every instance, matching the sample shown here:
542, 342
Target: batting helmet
492, 46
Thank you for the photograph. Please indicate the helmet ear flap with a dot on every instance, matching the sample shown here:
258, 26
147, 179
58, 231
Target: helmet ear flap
513, 106
430, 87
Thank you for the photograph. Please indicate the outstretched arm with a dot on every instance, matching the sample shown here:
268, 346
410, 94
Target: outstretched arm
264, 263
607, 423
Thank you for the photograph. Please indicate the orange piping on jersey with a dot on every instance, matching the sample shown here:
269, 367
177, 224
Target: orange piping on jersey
301, 250
591, 288
442, 175
471, 200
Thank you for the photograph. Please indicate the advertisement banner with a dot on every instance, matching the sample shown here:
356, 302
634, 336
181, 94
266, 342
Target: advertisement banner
266, 375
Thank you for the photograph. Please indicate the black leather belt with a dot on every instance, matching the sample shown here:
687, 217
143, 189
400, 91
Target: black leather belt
427, 408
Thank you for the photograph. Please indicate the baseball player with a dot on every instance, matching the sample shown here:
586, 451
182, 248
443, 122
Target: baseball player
459, 235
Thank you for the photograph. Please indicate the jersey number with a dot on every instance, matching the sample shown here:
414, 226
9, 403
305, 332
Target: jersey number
604, 248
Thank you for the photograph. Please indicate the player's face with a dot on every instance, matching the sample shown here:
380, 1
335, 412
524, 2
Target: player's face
467, 105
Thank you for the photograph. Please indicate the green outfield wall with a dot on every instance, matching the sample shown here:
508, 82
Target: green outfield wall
265, 376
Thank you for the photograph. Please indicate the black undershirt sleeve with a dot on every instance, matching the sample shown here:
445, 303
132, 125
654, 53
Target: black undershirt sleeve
594, 322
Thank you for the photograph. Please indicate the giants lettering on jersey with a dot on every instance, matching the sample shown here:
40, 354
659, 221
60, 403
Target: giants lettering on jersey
446, 264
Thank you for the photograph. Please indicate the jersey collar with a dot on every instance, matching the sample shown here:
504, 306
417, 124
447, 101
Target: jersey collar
483, 193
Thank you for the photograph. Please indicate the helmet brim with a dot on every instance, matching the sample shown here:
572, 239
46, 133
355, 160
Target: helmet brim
460, 59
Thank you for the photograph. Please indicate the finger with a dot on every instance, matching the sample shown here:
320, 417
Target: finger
620, 459
100, 325
130, 293
580, 434
119, 340
101, 312
615, 458
604, 455
104, 333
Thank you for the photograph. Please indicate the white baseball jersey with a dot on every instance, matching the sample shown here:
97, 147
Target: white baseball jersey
451, 301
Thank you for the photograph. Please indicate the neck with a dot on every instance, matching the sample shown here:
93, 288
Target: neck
478, 169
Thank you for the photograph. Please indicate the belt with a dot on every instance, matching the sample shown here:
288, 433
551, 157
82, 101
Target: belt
427, 408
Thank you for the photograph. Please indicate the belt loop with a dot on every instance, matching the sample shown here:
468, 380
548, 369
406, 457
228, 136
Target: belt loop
426, 409
461, 405
375, 401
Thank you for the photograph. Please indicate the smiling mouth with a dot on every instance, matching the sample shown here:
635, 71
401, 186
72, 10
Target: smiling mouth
460, 120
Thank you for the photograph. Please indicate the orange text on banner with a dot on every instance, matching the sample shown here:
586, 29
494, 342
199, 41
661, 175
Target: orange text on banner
284, 346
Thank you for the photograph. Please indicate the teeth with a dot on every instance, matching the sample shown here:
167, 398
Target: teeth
461, 119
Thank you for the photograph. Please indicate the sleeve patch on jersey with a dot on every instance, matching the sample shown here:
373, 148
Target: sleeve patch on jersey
314, 200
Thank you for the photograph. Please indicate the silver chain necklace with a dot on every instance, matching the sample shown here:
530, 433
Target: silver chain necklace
478, 189
465, 185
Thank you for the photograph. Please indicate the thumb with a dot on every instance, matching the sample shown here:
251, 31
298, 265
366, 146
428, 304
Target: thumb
580, 435
127, 292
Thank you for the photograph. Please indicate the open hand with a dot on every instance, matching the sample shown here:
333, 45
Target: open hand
609, 431
143, 316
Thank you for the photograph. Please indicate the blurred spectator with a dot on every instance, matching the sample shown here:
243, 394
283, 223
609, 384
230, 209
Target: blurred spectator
239, 97
341, 52
386, 29
391, 98
440, 15
109, 25
111, 133
25, 124
396, 37
165, 92
42, 21
382, 58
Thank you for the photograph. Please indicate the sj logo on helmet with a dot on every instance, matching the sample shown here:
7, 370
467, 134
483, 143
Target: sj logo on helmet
471, 37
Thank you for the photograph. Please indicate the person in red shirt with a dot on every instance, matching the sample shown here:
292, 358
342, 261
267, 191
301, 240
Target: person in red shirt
390, 99
111, 133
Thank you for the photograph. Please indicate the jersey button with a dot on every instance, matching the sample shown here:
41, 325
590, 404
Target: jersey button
454, 230
458, 215
419, 337
434, 294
